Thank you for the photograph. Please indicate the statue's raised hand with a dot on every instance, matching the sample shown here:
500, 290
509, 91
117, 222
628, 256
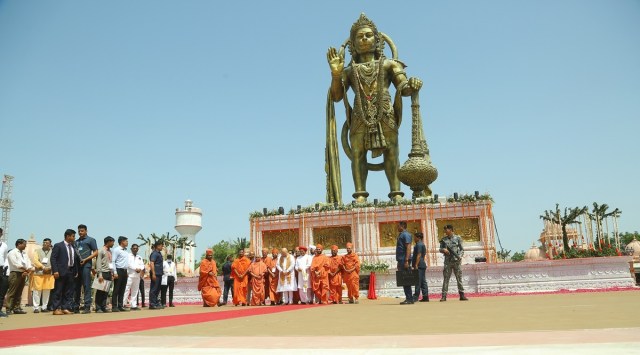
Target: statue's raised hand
336, 61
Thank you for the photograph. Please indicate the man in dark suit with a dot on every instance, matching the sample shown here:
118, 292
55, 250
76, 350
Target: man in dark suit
65, 264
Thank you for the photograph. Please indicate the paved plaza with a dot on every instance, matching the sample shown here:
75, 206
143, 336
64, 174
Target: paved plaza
589, 322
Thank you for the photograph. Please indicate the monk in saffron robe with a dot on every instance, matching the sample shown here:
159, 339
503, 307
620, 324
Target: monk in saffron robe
320, 275
351, 273
239, 271
272, 279
208, 281
335, 276
257, 270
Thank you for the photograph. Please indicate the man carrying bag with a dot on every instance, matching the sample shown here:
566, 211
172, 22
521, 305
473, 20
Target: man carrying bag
405, 277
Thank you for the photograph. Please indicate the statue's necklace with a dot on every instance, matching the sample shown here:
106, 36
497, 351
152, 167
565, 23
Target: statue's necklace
367, 74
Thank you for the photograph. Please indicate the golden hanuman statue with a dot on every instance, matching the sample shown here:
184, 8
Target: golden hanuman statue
373, 121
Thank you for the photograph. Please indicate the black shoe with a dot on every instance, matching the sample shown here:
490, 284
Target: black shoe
86, 311
154, 307
171, 305
135, 309
99, 311
406, 302
36, 311
443, 299
45, 310
76, 311
115, 310
19, 311
462, 297
424, 300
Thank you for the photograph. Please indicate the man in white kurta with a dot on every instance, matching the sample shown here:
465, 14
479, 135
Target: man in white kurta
135, 271
303, 263
286, 282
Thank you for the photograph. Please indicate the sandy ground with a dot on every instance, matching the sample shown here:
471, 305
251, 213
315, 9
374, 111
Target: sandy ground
591, 322
484, 314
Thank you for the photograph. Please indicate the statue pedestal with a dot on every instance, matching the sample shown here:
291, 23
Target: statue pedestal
373, 230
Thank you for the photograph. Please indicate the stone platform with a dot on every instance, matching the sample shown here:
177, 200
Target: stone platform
373, 229
524, 277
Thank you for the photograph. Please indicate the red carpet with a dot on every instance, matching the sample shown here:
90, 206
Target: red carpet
29, 336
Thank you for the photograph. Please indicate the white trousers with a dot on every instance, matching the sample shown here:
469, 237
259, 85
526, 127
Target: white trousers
36, 299
304, 295
131, 290
287, 297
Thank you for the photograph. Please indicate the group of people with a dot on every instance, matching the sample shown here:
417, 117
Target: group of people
69, 272
452, 249
281, 278
64, 276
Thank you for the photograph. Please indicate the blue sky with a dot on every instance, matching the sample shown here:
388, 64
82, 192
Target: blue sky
113, 113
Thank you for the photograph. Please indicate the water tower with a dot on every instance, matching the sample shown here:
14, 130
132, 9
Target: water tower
188, 224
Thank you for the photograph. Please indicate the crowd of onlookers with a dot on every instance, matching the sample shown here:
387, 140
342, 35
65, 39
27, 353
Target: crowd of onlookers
76, 276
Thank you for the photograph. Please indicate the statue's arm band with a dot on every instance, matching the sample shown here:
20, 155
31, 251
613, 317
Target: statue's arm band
400, 72
402, 85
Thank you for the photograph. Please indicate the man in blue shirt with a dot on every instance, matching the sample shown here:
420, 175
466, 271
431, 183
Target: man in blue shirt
120, 259
403, 254
155, 273
417, 260
87, 250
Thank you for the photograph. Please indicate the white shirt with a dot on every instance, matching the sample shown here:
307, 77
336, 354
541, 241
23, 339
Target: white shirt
18, 260
135, 262
4, 249
71, 256
168, 269
303, 263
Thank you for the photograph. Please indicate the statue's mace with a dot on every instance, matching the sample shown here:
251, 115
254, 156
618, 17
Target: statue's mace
418, 172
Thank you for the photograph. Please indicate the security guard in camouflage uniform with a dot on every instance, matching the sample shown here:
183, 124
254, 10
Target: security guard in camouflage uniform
451, 247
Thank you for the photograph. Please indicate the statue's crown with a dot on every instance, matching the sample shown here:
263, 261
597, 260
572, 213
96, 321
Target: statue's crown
363, 21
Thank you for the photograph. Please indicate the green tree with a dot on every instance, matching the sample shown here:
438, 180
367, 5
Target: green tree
518, 256
626, 238
570, 216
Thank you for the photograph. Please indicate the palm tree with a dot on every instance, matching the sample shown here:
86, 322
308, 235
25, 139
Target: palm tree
598, 214
504, 254
182, 243
240, 243
570, 216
